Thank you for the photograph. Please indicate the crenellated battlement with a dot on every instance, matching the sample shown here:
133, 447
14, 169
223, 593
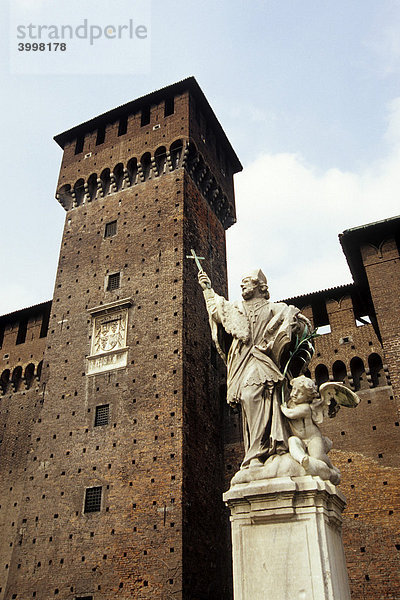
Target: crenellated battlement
135, 171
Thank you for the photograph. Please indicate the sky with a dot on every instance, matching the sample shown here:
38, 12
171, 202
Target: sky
307, 92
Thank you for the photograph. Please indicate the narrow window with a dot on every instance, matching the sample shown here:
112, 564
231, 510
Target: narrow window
93, 499
102, 415
79, 144
22, 329
169, 107
45, 322
101, 135
123, 125
110, 229
113, 281
145, 118
83, 597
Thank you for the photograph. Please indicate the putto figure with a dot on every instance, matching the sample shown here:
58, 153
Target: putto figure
305, 411
264, 335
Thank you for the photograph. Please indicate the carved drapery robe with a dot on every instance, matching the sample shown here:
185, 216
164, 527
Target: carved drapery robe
261, 331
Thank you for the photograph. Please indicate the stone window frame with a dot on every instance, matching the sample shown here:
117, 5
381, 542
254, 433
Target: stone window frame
93, 504
110, 229
112, 279
102, 415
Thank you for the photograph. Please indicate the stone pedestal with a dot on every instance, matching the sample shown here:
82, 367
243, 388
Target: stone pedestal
286, 538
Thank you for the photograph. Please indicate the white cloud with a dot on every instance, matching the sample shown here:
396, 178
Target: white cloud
290, 214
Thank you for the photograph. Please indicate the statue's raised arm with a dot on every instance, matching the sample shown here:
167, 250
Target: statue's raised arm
204, 280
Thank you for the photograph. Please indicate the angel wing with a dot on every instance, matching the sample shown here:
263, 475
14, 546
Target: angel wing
334, 395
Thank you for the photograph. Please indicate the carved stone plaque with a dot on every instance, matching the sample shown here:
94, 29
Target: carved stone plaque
109, 332
108, 349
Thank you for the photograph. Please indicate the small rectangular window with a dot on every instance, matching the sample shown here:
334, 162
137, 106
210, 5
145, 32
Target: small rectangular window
45, 322
101, 135
110, 229
123, 125
145, 118
113, 281
93, 499
102, 415
169, 107
79, 144
83, 597
22, 329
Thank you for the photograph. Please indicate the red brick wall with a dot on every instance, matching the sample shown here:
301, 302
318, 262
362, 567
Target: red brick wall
19, 406
204, 514
159, 460
382, 266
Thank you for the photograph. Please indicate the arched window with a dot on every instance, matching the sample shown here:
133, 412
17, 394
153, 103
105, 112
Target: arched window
145, 161
132, 170
339, 371
119, 175
16, 378
376, 370
321, 374
64, 196
105, 181
358, 373
176, 153
79, 189
29, 375
92, 186
160, 157
5, 380
39, 370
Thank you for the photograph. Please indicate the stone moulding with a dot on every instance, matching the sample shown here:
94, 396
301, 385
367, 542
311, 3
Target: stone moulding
108, 361
110, 306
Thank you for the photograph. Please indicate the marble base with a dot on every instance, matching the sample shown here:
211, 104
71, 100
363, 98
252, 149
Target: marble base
286, 540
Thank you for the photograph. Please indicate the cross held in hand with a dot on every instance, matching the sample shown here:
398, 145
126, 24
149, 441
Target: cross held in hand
196, 259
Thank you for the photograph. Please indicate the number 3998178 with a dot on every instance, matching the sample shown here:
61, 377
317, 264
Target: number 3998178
42, 47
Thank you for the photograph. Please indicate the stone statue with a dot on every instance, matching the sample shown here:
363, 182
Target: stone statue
271, 345
262, 333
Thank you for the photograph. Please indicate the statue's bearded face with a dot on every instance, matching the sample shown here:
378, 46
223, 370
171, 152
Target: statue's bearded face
249, 287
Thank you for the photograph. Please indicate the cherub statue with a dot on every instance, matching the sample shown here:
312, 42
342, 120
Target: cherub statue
307, 445
305, 410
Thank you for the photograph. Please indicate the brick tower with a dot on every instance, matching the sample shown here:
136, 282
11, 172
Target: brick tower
120, 481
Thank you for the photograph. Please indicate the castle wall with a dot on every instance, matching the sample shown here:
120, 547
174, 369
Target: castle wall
122, 506
382, 267
365, 449
21, 393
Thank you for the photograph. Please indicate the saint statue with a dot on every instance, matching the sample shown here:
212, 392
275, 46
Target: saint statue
265, 336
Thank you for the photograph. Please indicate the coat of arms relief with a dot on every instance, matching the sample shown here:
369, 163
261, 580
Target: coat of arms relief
108, 346
109, 333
